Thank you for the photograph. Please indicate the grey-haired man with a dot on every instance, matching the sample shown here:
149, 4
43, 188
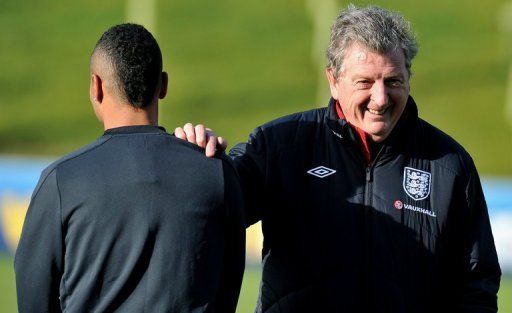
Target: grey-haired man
365, 207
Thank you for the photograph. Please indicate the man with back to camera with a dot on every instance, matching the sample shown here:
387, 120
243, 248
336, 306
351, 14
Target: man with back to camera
137, 221
365, 207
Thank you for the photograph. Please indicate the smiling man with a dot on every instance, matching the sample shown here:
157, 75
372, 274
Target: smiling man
372, 89
365, 207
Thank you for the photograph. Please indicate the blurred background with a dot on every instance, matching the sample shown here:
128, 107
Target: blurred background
234, 66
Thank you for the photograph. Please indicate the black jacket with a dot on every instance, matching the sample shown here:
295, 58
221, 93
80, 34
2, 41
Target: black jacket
409, 233
138, 221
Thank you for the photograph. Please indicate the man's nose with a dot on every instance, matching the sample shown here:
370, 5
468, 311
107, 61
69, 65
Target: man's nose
379, 93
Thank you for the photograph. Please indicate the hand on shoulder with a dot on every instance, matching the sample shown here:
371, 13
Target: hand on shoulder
203, 137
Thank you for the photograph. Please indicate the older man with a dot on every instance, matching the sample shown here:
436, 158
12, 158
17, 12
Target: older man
365, 207
137, 221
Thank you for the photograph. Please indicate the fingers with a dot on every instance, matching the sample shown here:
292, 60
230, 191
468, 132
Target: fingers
211, 146
222, 143
211, 143
180, 133
201, 135
215, 144
190, 132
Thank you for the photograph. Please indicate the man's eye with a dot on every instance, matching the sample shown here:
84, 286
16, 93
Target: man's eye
363, 84
394, 83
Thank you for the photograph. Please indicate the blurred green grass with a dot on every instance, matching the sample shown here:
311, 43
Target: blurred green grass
246, 302
236, 66
7, 285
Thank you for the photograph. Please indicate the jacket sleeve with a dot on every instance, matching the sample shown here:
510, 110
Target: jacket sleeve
234, 250
250, 160
38, 261
483, 271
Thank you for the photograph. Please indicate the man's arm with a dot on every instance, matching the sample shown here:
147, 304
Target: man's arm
483, 276
250, 160
234, 253
39, 258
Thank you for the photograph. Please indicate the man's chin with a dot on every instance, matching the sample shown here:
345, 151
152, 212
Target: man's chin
378, 136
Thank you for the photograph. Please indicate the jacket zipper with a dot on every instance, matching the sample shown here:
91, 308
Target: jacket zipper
367, 227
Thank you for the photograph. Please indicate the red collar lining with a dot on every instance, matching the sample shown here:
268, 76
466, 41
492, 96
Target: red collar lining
363, 137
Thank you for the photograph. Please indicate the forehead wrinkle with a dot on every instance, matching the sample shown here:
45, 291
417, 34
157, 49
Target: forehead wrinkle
362, 62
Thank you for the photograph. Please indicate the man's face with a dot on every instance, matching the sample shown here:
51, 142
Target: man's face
372, 89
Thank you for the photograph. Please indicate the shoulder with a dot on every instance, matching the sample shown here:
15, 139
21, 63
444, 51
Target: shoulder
77, 153
443, 150
51, 169
290, 129
289, 122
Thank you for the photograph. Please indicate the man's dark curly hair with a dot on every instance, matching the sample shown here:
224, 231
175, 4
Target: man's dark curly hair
136, 59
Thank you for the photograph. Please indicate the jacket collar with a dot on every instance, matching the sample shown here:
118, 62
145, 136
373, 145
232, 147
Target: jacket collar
339, 127
136, 129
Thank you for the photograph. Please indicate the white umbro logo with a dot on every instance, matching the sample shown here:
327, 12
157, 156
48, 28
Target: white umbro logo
321, 171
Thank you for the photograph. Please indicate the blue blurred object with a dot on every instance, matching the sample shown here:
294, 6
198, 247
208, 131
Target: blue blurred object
19, 176
498, 194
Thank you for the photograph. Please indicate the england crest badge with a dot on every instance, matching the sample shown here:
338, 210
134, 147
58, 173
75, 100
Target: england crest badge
417, 183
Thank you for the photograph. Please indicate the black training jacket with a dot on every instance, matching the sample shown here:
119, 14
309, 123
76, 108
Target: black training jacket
138, 221
408, 233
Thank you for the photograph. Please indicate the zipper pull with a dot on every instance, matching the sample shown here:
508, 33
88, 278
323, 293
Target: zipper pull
369, 174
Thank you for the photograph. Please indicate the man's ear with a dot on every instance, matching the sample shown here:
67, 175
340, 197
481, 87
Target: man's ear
333, 82
163, 85
96, 89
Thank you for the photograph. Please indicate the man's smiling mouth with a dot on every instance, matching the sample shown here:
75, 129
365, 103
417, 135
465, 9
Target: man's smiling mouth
377, 112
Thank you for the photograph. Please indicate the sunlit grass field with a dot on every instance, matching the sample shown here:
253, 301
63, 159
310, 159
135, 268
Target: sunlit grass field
234, 66
246, 302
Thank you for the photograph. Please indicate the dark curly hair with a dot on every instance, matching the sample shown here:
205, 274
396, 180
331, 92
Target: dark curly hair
136, 59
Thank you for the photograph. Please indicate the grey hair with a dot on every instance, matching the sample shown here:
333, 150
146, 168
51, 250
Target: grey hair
376, 29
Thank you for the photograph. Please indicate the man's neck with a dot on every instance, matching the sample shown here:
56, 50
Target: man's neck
129, 122
130, 116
